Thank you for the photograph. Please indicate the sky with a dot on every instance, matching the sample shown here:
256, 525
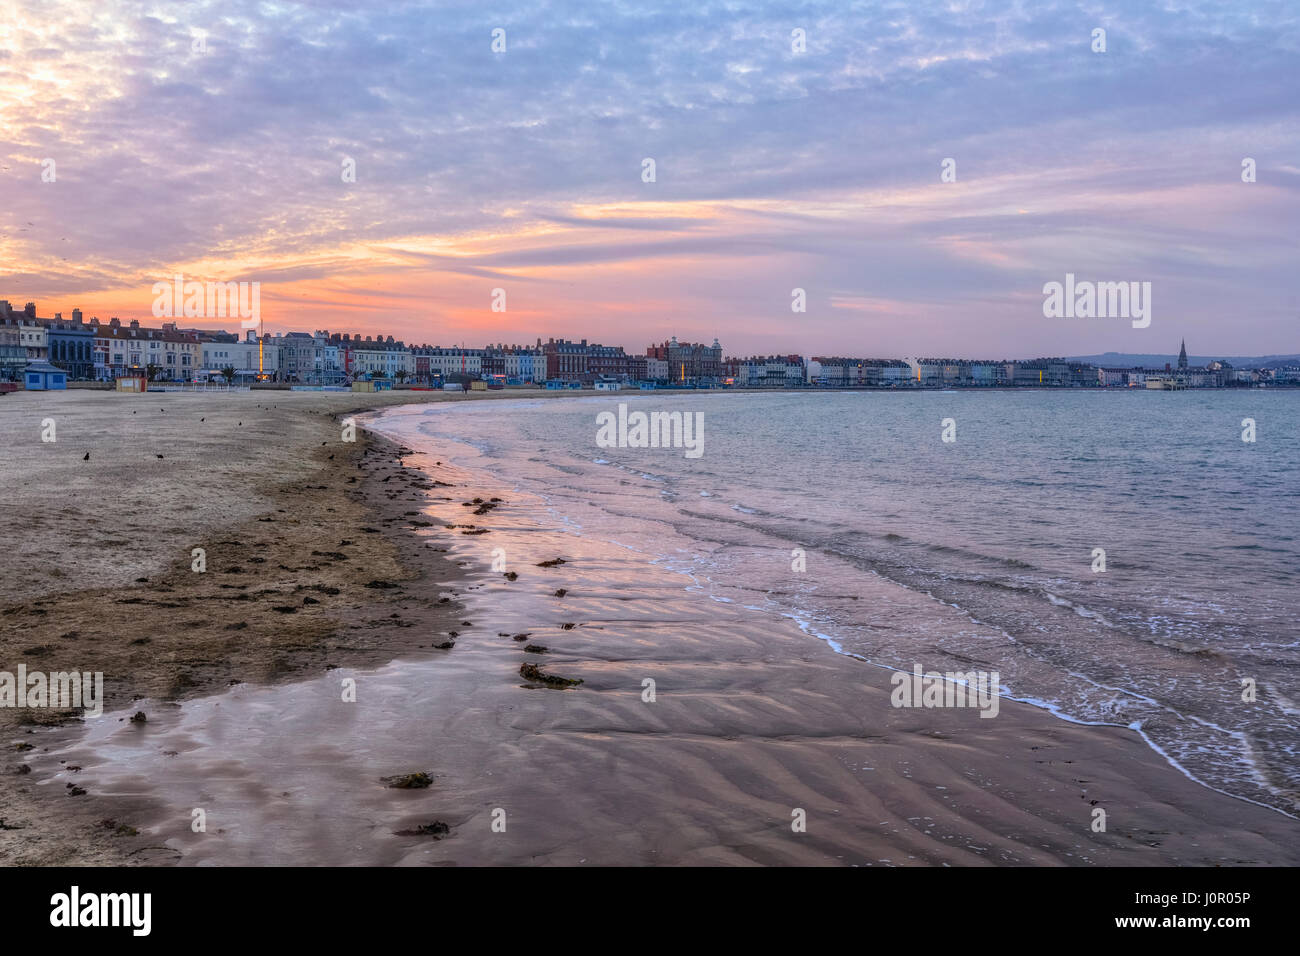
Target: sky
209, 139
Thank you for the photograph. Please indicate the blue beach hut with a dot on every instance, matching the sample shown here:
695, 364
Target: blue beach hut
44, 377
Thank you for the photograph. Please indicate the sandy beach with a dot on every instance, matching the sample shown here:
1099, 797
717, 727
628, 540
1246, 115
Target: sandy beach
324, 555
97, 567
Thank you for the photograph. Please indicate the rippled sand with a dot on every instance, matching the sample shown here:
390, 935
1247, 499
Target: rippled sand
751, 721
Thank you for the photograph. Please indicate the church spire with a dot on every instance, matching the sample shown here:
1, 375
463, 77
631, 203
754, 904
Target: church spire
1182, 355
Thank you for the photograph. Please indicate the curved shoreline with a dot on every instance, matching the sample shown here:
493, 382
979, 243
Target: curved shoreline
750, 723
810, 625
1097, 745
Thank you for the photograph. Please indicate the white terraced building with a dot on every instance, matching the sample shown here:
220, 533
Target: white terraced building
242, 357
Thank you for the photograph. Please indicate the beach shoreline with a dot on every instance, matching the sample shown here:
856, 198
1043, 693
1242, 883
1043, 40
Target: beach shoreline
753, 723
315, 573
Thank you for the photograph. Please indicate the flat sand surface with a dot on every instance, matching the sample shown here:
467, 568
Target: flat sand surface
324, 554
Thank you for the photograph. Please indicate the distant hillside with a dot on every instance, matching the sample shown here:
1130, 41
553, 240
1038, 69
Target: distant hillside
1133, 359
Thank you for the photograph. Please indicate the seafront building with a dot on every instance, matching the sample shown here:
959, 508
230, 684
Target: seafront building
381, 358
566, 361
13, 357
70, 346
30, 337
301, 357
434, 364
165, 354
771, 371
249, 359
838, 372
524, 366
104, 351
516, 364
609, 363
690, 364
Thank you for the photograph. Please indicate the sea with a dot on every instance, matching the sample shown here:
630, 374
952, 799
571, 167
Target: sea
1118, 557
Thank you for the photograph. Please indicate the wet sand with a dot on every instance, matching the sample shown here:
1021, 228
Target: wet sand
749, 723
96, 573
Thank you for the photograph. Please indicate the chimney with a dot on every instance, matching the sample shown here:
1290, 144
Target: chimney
135, 323
76, 315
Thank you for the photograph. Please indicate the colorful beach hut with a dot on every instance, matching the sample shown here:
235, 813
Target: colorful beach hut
44, 377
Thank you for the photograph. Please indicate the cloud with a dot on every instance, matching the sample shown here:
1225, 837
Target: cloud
821, 168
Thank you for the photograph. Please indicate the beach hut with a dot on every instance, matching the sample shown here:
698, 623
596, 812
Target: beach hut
44, 377
132, 383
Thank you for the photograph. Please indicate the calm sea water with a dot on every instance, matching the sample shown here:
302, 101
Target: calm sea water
977, 553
